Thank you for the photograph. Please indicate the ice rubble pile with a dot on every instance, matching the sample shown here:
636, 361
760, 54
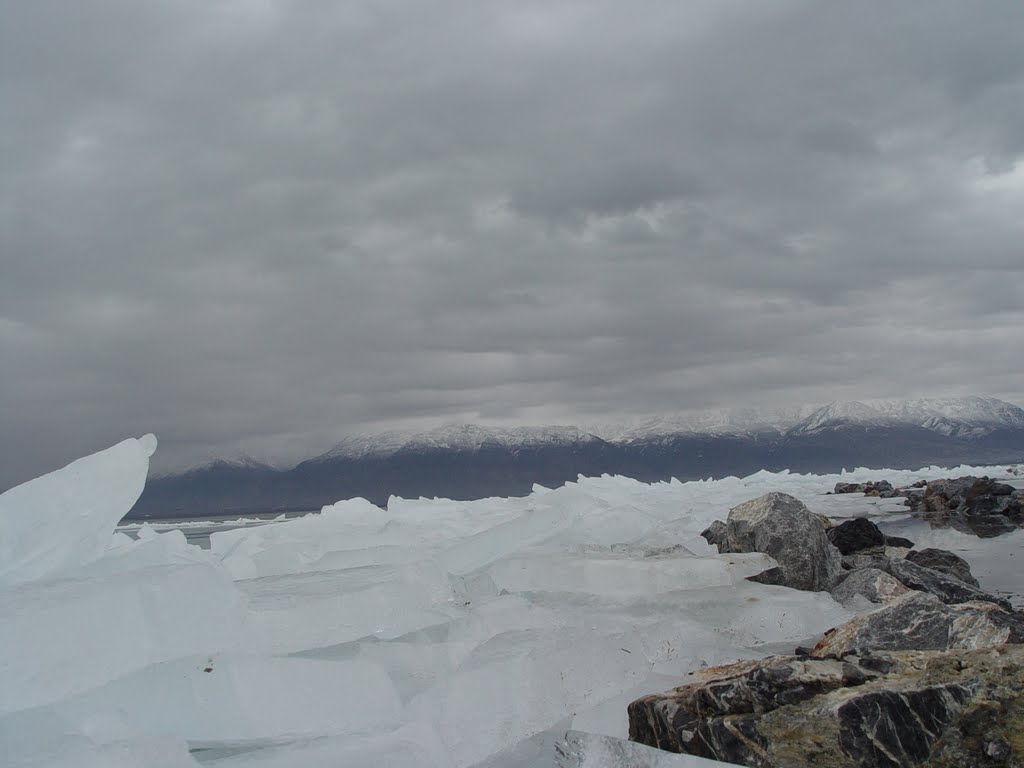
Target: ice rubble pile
432, 633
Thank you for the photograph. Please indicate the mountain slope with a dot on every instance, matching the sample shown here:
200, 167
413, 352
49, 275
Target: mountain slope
468, 461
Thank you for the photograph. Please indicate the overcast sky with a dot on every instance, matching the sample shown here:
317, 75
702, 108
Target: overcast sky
260, 225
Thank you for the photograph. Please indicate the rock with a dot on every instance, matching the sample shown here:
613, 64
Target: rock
949, 709
716, 534
871, 584
980, 506
849, 488
984, 526
922, 622
914, 499
882, 488
875, 557
1014, 509
944, 561
855, 535
713, 718
898, 541
947, 493
946, 588
780, 526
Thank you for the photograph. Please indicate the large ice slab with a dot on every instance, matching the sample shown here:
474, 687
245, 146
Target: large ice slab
43, 737
619, 576
415, 745
519, 683
323, 608
59, 638
243, 699
64, 519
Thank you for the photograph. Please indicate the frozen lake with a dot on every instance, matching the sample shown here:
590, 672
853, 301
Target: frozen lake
432, 633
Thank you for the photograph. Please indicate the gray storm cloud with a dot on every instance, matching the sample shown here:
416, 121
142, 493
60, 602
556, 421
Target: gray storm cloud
259, 226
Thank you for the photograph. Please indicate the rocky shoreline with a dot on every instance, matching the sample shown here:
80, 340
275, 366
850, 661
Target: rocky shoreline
976, 505
930, 671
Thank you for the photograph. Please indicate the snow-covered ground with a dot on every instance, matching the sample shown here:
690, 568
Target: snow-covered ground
432, 633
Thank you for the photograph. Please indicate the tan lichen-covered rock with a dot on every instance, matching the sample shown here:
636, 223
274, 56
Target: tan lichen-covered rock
950, 709
780, 526
920, 621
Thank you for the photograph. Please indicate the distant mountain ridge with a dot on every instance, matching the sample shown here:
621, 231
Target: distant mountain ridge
462, 437
972, 415
470, 461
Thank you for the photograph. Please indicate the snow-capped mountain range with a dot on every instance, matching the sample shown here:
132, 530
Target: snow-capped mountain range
458, 437
964, 417
467, 461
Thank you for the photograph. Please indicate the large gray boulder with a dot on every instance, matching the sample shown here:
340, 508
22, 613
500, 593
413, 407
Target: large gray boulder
781, 527
868, 585
980, 506
922, 622
945, 587
944, 561
949, 709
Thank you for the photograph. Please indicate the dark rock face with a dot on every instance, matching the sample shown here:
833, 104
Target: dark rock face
947, 709
947, 588
716, 534
867, 558
849, 488
919, 621
854, 535
716, 718
880, 727
870, 584
944, 561
780, 526
898, 541
882, 488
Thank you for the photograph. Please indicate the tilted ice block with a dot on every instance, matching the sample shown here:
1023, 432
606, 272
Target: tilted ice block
606, 716
588, 750
339, 560
601, 526
244, 699
424, 657
357, 511
341, 537
414, 745
521, 683
287, 547
485, 547
41, 737
63, 637
755, 614
150, 549
621, 576
64, 519
532, 752
317, 610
